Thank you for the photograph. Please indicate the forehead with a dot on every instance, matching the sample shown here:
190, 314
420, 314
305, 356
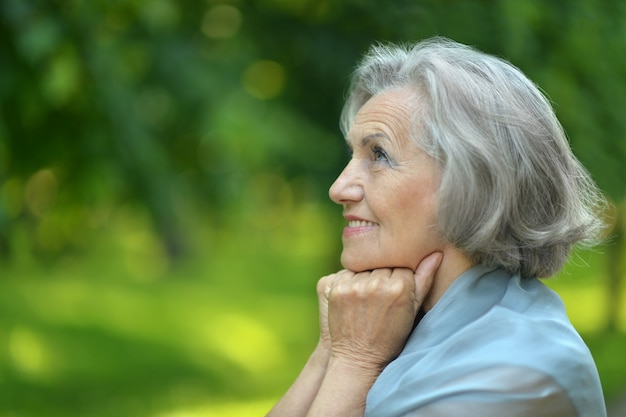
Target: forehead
391, 113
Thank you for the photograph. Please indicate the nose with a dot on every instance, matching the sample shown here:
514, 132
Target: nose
348, 187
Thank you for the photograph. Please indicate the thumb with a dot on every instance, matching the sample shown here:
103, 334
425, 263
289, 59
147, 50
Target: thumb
424, 275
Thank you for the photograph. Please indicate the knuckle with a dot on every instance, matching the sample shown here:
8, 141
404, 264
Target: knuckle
322, 283
383, 273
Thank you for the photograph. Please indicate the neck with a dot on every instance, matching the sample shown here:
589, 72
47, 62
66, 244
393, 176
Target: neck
453, 264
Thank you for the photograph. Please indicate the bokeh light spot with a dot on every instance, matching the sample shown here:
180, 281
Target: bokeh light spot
41, 191
221, 22
62, 80
264, 79
260, 353
160, 14
27, 351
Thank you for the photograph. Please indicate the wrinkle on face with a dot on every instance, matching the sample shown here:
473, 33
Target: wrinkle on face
399, 194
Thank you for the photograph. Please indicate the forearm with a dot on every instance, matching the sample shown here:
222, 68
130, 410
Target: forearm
365, 319
343, 391
298, 399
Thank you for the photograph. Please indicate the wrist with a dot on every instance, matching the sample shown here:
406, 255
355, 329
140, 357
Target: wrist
320, 355
344, 389
361, 370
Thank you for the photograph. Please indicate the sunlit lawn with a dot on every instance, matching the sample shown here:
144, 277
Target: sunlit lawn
121, 332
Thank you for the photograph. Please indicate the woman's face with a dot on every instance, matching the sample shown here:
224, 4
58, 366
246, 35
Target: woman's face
388, 189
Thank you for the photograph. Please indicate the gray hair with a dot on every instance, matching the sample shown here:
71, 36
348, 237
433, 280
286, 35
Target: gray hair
512, 193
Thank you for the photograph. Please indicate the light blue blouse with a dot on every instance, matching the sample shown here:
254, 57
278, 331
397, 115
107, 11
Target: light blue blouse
494, 345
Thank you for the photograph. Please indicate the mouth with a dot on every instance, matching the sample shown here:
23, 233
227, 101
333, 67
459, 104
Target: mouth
360, 223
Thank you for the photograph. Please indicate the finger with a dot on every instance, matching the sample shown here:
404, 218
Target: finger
326, 284
424, 275
322, 283
382, 273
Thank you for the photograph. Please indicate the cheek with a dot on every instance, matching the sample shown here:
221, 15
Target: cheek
418, 203
417, 216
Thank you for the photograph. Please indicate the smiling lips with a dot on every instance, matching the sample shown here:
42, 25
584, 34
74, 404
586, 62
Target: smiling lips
358, 227
360, 223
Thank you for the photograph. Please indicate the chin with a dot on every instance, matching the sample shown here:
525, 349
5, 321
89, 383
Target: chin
361, 265
356, 265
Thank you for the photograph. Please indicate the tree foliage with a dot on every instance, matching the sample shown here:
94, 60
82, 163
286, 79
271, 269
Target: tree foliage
157, 102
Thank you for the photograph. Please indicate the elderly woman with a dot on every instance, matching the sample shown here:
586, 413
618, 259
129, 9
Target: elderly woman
460, 193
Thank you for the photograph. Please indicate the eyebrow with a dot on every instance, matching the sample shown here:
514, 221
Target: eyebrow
373, 136
369, 138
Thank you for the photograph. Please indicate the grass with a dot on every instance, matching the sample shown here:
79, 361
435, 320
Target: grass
121, 332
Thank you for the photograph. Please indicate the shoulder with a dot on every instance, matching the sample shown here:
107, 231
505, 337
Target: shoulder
527, 328
504, 365
548, 344
502, 391
522, 339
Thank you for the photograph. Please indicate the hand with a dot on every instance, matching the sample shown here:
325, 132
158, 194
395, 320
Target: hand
367, 317
323, 288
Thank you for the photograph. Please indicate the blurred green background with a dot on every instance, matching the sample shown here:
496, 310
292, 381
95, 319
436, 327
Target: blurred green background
164, 168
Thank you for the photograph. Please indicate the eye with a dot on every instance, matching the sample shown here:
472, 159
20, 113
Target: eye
379, 154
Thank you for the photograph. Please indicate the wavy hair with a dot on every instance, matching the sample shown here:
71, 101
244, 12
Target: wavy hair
512, 193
